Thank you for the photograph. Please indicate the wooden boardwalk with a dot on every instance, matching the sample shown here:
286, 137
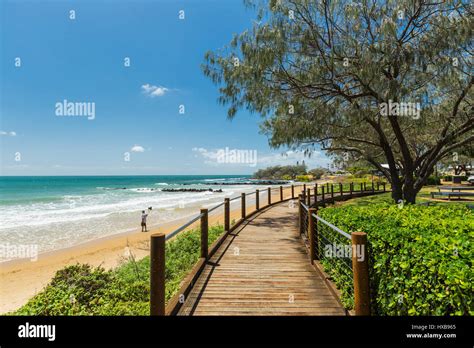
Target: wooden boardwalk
262, 268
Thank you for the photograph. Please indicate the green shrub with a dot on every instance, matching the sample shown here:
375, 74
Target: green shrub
278, 172
84, 290
420, 257
433, 180
303, 178
317, 173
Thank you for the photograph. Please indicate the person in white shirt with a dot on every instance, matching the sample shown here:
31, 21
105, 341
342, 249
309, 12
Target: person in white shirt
144, 216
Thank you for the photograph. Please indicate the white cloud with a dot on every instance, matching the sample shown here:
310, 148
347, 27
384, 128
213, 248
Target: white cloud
208, 154
137, 148
11, 134
154, 91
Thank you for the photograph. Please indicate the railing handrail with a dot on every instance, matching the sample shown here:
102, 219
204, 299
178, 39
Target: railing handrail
216, 206
337, 229
305, 207
182, 227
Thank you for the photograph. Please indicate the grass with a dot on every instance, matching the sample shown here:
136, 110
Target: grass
423, 196
125, 290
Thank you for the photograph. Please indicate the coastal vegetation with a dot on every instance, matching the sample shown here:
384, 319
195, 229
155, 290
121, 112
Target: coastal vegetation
280, 172
85, 290
291, 172
420, 256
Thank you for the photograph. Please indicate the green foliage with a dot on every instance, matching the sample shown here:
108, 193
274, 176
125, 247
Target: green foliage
358, 171
280, 172
317, 173
433, 180
303, 178
84, 290
420, 257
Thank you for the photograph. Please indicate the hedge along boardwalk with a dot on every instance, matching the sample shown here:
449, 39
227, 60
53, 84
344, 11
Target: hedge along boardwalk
262, 268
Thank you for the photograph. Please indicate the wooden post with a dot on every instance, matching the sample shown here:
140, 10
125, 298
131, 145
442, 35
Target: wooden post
204, 233
292, 191
227, 214
361, 187
360, 269
383, 187
322, 194
316, 236
332, 192
309, 197
316, 195
157, 274
378, 186
257, 199
315, 189
243, 205
269, 196
311, 234
351, 185
304, 195
341, 191
373, 187
300, 213
281, 193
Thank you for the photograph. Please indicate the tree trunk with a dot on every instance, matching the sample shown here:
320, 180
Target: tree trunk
397, 193
404, 190
409, 193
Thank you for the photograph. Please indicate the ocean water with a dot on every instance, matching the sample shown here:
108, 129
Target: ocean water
57, 212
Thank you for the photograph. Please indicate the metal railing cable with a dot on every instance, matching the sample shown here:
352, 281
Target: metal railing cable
347, 235
304, 219
334, 251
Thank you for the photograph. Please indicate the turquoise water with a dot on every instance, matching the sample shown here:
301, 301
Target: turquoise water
57, 212
28, 189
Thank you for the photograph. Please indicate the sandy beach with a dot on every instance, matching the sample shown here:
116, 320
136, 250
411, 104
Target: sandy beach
22, 279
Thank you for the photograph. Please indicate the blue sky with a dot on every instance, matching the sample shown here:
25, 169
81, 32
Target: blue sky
136, 107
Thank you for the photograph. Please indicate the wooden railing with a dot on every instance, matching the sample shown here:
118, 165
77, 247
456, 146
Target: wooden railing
308, 203
158, 304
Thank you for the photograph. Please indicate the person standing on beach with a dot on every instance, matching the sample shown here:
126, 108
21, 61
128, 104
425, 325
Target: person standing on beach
144, 216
